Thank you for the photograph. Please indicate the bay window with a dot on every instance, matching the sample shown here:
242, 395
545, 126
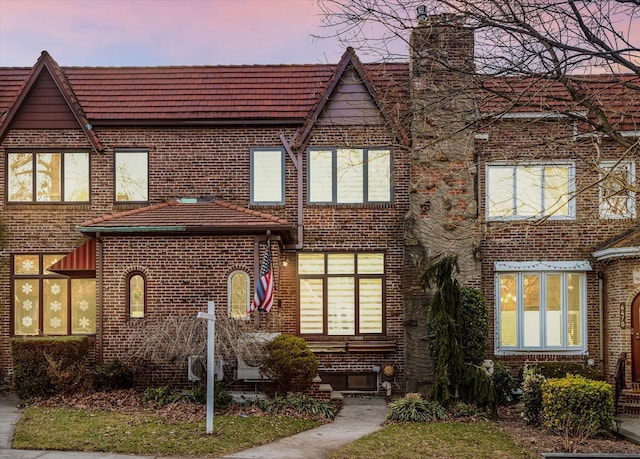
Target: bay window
541, 306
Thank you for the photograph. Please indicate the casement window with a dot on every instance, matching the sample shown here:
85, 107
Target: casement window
45, 303
349, 175
267, 176
137, 294
48, 177
238, 288
617, 201
131, 175
526, 191
341, 293
541, 307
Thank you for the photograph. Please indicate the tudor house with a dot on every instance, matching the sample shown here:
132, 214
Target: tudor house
132, 194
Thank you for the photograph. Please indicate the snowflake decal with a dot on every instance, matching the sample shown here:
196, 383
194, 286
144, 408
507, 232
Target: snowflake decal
27, 321
27, 304
27, 288
55, 306
84, 322
27, 265
55, 289
83, 305
55, 322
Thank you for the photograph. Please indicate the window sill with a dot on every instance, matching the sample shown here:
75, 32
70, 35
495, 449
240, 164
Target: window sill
354, 346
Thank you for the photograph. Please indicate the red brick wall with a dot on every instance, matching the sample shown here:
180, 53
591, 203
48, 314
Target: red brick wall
184, 272
559, 240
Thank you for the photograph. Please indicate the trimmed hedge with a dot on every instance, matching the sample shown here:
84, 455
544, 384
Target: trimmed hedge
561, 369
46, 366
290, 364
577, 406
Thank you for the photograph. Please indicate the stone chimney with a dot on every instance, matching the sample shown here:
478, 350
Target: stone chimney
443, 202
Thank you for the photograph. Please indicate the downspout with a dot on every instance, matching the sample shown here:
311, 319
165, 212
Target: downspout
99, 299
601, 319
297, 162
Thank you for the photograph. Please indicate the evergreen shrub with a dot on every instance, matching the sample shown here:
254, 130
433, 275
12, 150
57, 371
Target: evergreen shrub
113, 375
577, 406
46, 366
504, 383
289, 364
532, 381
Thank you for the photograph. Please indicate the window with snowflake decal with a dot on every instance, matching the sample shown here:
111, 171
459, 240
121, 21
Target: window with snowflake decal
46, 303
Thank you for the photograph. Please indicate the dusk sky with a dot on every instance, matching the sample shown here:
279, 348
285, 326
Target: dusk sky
164, 32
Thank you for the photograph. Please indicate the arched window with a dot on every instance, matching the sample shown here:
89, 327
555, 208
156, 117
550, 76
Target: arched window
137, 294
238, 294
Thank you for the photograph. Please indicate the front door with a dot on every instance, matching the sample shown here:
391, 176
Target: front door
635, 339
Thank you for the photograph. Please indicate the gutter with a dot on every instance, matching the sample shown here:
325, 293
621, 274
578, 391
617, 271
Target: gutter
297, 162
129, 229
622, 252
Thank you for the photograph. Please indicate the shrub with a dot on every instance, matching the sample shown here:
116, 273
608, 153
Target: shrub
462, 410
532, 394
112, 376
46, 366
160, 395
561, 369
503, 383
303, 405
290, 364
577, 407
413, 408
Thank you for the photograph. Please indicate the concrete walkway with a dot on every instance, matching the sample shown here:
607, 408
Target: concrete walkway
358, 417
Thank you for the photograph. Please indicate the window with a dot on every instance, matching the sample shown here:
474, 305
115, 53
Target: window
238, 295
137, 294
616, 198
542, 308
131, 176
48, 177
341, 293
267, 176
45, 303
530, 191
349, 175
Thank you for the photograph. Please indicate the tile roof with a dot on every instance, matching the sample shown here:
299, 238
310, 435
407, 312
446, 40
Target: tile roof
276, 93
190, 216
617, 94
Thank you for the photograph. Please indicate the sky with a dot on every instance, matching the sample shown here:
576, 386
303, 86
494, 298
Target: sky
164, 32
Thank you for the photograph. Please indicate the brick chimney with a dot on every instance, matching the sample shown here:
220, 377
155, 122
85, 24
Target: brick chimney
443, 203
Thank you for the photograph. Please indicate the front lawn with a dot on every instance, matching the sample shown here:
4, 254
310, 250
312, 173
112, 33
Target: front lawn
145, 432
442, 440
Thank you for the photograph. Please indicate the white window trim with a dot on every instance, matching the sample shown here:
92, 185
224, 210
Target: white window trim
229, 302
541, 267
572, 186
606, 214
252, 198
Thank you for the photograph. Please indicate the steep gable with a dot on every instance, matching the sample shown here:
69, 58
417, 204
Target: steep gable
350, 103
44, 107
46, 101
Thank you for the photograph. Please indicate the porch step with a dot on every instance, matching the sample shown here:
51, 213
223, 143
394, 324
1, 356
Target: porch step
629, 402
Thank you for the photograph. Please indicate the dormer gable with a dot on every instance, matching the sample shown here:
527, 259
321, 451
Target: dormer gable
349, 99
46, 101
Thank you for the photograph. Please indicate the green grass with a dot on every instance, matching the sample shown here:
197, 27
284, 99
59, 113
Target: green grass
454, 440
146, 433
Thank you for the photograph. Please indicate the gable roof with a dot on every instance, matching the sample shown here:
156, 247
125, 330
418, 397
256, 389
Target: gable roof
247, 94
45, 63
199, 216
349, 60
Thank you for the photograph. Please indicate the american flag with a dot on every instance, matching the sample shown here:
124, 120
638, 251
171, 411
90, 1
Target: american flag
263, 299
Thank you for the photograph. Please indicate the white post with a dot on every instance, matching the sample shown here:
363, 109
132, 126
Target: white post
210, 316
